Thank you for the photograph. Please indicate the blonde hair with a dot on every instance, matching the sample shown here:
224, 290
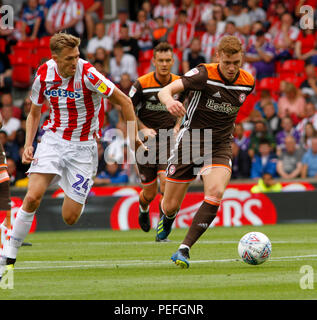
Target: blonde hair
229, 45
62, 40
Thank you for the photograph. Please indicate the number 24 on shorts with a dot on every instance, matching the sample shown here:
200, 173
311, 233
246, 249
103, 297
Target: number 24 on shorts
81, 183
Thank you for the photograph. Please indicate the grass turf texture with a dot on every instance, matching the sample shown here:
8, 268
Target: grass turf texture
130, 265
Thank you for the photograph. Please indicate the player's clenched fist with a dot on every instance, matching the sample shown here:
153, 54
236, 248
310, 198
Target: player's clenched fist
176, 108
27, 156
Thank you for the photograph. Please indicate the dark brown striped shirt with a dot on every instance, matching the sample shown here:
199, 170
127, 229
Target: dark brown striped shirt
213, 101
147, 105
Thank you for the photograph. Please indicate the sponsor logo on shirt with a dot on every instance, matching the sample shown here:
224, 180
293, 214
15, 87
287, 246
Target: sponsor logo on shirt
132, 91
77, 86
223, 107
102, 88
191, 72
90, 76
155, 106
62, 94
242, 97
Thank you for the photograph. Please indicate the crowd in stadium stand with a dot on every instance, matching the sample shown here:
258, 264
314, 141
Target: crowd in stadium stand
276, 129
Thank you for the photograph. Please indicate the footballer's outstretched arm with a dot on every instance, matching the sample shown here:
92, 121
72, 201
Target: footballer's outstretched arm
32, 124
175, 107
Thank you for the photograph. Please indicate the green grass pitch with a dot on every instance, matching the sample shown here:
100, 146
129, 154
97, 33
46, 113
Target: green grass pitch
117, 265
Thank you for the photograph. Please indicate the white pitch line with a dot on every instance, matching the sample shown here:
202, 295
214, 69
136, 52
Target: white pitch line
111, 243
128, 263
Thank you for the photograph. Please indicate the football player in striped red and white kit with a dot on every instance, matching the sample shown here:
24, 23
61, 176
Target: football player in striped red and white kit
67, 153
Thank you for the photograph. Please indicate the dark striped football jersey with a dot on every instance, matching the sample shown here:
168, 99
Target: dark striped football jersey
213, 101
147, 105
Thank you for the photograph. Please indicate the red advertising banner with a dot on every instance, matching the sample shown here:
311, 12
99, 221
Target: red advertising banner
237, 208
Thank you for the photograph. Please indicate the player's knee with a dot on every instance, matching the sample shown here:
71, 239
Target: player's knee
170, 207
149, 195
32, 201
216, 191
70, 219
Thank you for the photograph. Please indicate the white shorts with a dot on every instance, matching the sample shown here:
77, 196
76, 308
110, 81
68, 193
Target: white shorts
74, 163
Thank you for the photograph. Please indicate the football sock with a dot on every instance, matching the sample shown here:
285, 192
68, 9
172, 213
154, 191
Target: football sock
183, 246
21, 228
144, 203
202, 220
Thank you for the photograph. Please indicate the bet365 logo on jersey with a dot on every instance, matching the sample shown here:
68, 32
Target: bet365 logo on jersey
62, 94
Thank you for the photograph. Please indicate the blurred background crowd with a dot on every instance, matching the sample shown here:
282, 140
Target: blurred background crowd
276, 129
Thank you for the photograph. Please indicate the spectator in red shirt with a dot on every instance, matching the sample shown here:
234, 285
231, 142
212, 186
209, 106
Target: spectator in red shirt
306, 45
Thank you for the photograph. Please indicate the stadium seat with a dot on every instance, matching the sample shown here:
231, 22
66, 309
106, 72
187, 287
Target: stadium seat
21, 75
278, 67
30, 44
43, 52
247, 107
144, 67
145, 56
297, 81
22, 52
293, 66
44, 42
16, 59
271, 84
3, 44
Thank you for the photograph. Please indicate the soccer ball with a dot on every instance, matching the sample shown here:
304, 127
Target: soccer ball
254, 248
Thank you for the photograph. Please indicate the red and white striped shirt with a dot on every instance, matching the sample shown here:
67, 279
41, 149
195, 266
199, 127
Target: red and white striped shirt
182, 34
209, 44
167, 12
75, 102
62, 12
115, 27
193, 13
279, 38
